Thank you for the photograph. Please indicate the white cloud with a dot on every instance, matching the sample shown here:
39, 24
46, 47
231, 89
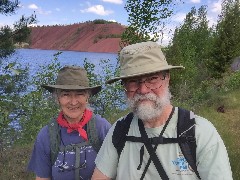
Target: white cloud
112, 20
195, 1
32, 6
97, 9
57, 9
216, 6
113, 1
40, 11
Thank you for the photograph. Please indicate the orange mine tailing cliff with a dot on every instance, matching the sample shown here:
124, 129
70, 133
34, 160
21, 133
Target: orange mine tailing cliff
85, 37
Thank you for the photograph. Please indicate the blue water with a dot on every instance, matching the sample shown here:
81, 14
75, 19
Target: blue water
34, 58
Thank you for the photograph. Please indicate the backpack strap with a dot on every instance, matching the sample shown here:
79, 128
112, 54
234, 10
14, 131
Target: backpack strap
186, 130
76, 148
151, 150
55, 139
93, 134
120, 132
185, 136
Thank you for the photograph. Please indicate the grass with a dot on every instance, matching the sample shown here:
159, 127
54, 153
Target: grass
13, 162
227, 124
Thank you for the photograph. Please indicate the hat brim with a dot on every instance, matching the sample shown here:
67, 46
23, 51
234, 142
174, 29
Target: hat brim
94, 90
110, 81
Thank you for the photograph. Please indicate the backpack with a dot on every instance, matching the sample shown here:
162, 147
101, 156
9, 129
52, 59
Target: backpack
185, 137
55, 139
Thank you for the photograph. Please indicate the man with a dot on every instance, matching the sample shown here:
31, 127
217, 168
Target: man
145, 76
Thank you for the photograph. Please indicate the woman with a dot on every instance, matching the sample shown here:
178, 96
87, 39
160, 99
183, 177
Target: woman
67, 147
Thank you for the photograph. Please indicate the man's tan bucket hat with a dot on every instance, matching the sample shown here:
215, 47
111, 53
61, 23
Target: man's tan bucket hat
140, 59
72, 78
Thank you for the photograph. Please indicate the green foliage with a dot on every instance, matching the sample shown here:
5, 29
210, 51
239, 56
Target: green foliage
206, 53
13, 83
21, 30
101, 21
233, 81
6, 46
110, 99
227, 39
101, 36
146, 19
9, 37
13, 77
190, 48
8, 7
38, 105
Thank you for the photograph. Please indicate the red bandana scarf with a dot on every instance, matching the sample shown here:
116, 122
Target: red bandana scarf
77, 126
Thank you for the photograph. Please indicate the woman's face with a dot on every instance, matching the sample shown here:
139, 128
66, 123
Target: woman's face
73, 103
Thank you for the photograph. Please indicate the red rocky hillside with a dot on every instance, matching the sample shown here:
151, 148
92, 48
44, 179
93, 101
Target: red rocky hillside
87, 37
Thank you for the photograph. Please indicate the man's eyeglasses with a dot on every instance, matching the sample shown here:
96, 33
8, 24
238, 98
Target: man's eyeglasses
152, 82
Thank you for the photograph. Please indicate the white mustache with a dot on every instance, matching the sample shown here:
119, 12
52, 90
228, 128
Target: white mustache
151, 97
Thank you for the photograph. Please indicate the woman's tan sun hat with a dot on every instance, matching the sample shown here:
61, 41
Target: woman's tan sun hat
72, 78
140, 59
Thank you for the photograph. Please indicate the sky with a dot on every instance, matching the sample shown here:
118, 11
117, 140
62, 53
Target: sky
64, 12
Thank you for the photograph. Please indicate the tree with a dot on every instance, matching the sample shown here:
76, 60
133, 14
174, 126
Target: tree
38, 106
227, 38
190, 47
8, 7
13, 77
146, 19
110, 101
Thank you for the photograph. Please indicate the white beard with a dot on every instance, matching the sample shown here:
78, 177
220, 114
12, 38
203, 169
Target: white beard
149, 111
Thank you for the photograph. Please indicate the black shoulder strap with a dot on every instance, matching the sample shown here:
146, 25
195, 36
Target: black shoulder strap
93, 134
120, 132
151, 151
54, 134
186, 129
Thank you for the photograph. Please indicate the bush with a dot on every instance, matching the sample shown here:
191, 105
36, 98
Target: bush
234, 81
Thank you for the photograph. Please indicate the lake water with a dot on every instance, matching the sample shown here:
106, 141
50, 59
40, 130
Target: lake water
34, 58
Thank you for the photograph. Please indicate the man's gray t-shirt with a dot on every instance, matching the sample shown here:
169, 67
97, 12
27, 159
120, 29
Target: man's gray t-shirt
212, 158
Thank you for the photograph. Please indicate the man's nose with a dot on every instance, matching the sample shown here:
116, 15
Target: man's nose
142, 88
